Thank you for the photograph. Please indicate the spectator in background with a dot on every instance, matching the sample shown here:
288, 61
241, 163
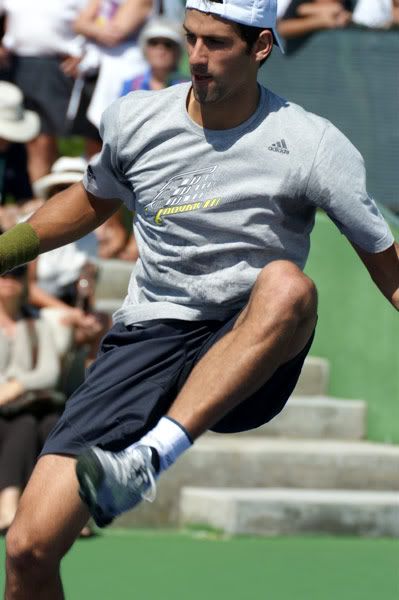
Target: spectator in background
29, 404
64, 278
162, 44
173, 9
39, 40
395, 13
376, 14
301, 18
30, 401
114, 26
17, 126
5, 64
116, 238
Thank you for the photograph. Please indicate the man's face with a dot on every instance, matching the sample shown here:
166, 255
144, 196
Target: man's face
219, 61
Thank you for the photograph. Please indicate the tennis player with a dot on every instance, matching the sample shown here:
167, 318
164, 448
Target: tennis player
224, 178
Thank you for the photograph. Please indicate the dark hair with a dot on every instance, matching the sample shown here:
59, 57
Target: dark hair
250, 35
247, 33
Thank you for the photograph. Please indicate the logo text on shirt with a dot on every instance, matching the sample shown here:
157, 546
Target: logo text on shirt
280, 147
185, 192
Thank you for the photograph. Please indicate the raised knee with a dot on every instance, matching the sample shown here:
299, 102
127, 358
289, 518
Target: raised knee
293, 292
27, 555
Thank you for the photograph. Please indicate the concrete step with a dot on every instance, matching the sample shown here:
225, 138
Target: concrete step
316, 417
288, 512
113, 279
315, 377
227, 461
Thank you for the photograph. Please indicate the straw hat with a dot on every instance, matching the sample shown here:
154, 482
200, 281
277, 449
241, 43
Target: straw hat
16, 123
65, 171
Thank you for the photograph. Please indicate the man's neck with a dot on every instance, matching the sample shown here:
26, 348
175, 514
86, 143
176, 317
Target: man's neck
226, 114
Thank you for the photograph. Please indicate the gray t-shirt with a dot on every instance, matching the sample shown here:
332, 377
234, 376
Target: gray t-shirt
212, 208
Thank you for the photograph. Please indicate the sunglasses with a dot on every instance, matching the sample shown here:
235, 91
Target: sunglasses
169, 44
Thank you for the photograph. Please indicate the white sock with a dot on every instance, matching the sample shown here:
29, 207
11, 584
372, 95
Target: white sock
169, 439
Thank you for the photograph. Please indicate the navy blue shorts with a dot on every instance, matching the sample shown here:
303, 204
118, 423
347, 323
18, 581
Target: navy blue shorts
136, 377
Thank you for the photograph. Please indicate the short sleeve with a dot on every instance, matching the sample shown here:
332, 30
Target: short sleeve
337, 184
104, 177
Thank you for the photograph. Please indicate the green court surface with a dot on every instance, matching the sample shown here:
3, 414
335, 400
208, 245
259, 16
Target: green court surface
156, 565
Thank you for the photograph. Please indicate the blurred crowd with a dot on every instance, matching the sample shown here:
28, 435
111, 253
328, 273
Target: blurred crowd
299, 19
62, 62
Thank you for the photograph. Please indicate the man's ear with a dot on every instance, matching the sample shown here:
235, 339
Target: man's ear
263, 45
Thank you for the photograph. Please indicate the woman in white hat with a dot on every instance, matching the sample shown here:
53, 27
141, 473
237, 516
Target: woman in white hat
162, 44
17, 126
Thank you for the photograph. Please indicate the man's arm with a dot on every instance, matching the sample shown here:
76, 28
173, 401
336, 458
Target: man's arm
70, 215
64, 218
384, 270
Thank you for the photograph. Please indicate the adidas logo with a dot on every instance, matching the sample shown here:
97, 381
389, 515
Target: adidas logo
280, 146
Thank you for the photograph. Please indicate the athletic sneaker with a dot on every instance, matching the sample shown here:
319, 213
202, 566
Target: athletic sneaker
112, 483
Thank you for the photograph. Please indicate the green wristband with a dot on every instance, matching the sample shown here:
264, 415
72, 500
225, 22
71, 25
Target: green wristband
18, 245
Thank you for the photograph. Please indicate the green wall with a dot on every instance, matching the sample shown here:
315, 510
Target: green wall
349, 76
358, 330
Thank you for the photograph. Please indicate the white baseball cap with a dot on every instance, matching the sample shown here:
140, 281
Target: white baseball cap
16, 123
65, 171
255, 13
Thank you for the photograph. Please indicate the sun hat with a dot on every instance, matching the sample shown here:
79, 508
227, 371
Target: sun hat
65, 171
161, 27
255, 13
16, 123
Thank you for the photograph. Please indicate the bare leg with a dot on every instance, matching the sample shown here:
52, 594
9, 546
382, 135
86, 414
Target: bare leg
273, 328
49, 518
42, 153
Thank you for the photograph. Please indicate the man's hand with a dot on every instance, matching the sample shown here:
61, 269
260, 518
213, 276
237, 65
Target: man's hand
10, 391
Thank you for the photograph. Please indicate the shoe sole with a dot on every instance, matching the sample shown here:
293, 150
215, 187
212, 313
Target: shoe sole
90, 474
